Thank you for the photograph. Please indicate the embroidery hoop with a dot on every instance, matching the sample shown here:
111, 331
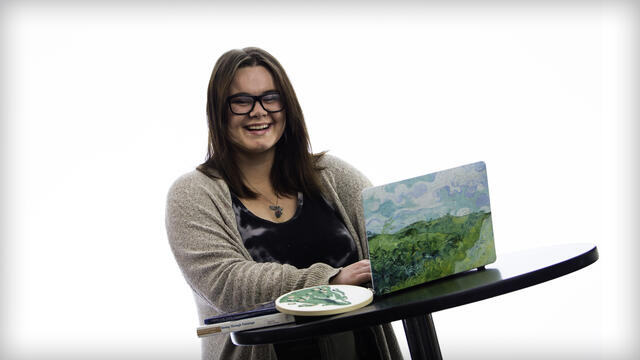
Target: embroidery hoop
357, 297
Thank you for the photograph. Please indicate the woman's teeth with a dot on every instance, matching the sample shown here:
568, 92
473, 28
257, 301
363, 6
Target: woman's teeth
258, 127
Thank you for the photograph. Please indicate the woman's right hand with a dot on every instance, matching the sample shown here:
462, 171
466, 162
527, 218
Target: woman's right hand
354, 274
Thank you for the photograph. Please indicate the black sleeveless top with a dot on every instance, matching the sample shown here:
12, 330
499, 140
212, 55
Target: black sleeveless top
314, 234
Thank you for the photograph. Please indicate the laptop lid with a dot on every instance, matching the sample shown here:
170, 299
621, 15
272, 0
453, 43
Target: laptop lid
428, 227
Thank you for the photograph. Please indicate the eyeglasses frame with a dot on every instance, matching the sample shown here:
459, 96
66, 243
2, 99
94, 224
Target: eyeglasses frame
256, 99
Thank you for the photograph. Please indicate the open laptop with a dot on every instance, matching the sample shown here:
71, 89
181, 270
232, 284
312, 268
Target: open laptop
428, 227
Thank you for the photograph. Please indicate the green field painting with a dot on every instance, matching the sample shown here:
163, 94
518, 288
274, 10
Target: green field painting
428, 227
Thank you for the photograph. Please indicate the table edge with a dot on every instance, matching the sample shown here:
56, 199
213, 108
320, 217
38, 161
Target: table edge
338, 323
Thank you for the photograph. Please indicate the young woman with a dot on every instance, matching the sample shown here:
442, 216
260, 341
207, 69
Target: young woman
263, 215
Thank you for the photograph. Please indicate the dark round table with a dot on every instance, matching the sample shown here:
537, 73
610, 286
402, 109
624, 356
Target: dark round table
511, 272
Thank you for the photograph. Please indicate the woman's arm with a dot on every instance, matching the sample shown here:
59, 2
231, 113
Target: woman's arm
344, 184
204, 239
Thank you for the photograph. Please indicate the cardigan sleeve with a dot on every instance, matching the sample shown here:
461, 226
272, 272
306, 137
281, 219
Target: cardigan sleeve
207, 246
346, 184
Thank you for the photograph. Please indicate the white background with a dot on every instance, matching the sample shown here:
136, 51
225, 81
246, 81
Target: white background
103, 106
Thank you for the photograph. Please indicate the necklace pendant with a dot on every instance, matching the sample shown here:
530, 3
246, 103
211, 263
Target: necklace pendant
277, 210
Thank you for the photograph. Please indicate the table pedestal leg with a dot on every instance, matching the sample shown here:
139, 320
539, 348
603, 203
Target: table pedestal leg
421, 337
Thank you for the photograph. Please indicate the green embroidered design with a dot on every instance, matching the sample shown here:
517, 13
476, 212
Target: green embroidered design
319, 295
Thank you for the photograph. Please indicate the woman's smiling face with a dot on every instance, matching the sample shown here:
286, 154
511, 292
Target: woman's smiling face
258, 131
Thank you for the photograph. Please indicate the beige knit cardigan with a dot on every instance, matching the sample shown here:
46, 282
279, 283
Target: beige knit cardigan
203, 234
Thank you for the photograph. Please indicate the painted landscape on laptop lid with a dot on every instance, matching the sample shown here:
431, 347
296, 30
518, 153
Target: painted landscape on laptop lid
428, 227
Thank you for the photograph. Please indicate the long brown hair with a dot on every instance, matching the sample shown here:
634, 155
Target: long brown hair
294, 167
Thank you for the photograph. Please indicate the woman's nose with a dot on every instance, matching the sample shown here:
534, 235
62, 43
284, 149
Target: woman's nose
258, 110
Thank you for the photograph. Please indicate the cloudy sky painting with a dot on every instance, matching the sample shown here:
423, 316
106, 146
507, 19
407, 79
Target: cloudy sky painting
458, 191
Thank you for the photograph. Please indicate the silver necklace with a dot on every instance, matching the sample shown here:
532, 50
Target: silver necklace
277, 209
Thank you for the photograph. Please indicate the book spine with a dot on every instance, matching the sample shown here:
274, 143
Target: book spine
262, 309
245, 324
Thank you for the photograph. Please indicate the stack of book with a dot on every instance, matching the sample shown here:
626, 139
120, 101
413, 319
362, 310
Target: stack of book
262, 316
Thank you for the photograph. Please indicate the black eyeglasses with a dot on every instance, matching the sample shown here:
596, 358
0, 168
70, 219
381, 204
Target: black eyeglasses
242, 104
